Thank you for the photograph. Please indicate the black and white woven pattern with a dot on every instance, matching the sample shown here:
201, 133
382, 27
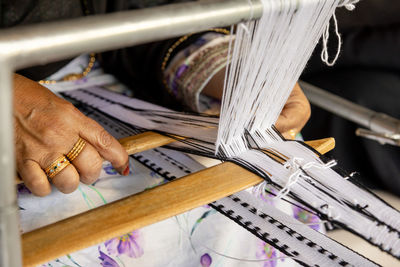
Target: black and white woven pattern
305, 245
322, 191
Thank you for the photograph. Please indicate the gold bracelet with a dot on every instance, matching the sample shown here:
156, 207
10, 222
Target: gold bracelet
176, 44
181, 40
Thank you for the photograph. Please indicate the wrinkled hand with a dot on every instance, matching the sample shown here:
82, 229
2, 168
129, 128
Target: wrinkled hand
293, 117
47, 127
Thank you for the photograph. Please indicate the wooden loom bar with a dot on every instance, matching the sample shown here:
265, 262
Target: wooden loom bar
139, 210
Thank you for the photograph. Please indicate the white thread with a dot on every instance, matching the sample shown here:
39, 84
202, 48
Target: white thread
327, 165
244, 27
264, 68
349, 4
350, 175
325, 38
329, 211
297, 171
251, 9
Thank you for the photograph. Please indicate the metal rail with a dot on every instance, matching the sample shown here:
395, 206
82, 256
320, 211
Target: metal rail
377, 122
42, 43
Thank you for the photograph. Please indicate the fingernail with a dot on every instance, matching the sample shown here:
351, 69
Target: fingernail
126, 171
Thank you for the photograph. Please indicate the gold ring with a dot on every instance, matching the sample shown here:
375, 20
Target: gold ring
78, 147
57, 166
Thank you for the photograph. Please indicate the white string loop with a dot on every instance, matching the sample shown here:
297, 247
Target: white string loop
325, 38
330, 212
293, 165
297, 171
349, 4
245, 28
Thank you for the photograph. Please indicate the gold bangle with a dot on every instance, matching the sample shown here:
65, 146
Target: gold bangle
57, 166
176, 44
181, 40
76, 150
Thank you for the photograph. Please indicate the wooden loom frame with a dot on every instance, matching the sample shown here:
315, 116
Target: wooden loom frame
144, 208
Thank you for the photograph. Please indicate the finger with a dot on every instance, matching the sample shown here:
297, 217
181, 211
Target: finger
34, 178
289, 119
88, 164
107, 146
67, 180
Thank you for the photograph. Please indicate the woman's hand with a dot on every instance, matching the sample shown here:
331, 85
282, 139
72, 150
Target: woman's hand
293, 117
295, 114
47, 127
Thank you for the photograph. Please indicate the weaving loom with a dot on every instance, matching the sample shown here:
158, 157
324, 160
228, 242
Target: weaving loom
371, 211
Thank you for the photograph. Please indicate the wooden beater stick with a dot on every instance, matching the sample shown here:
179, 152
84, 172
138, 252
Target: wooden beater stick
148, 140
136, 211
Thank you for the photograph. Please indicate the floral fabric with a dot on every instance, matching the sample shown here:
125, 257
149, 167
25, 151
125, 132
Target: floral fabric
200, 237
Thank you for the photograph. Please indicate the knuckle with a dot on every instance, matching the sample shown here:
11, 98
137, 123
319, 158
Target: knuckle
47, 159
66, 107
49, 135
65, 116
104, 140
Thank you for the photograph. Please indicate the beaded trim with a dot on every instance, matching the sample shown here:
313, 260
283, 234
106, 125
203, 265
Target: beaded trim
74, 76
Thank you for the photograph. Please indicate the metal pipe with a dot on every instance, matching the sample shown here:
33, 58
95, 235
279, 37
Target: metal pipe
42, 43
10, 248
378, 122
